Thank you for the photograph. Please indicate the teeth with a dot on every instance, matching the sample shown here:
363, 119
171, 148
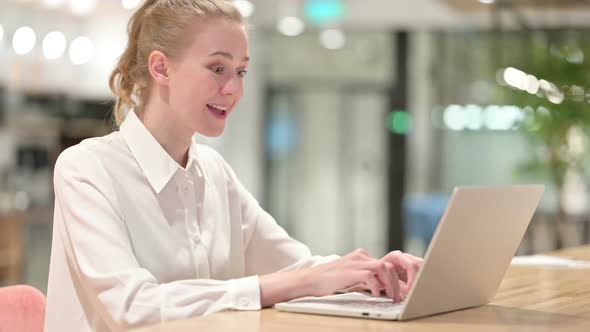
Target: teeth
219, 107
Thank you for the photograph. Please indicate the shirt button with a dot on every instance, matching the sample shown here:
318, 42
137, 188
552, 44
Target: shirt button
244, 302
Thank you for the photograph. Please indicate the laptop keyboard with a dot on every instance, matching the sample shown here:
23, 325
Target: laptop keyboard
352, 301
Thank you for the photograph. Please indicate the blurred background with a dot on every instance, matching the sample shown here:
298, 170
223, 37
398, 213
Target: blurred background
359, 118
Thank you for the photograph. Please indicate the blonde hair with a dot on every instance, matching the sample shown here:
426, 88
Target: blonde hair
158, 25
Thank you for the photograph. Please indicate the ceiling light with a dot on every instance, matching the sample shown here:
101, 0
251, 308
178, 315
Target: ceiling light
82, 7
23, 40
81, 50
54, 45
332, 39
291, 26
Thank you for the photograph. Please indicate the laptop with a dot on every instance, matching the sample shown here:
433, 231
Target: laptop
464, 264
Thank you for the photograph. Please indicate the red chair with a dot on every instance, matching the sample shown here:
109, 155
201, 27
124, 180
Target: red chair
22, 309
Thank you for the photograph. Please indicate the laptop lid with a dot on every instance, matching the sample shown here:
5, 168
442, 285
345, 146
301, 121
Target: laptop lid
472, 247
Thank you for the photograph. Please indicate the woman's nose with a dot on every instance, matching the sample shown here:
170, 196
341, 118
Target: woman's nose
232, 86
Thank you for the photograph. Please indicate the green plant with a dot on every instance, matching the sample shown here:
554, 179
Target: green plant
556, 119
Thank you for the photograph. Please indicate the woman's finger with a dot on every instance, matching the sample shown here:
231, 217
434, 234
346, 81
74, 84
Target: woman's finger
373, 284
364, 277
411, 268
390, 282
384, 277
404, 289
396, 284
406, 267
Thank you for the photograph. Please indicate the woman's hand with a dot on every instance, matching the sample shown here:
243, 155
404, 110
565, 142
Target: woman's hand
406, 266
393, 273
354, 269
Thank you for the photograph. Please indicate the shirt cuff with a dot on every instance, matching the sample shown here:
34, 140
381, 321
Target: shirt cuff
245, 293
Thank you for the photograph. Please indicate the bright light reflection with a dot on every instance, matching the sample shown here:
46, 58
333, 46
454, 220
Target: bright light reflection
245, 7
476, 117
453, 117
81, 50
515, 78
130, 4
23, 40
82, 7
332, 39
291, 26
54, 45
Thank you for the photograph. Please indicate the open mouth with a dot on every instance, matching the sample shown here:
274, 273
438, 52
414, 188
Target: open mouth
217, 109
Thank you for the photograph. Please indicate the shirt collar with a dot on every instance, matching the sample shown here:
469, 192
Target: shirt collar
154, 161
193, 160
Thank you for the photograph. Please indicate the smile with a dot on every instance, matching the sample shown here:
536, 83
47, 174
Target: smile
220, 111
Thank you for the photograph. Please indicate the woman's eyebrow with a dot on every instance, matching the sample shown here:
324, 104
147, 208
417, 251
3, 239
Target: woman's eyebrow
227, 55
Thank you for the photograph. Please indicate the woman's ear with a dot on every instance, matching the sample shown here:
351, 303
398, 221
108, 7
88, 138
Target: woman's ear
158, 65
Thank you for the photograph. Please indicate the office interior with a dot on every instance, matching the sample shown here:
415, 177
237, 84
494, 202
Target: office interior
358, 119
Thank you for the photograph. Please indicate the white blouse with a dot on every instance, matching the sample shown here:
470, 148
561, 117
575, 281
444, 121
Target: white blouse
137, 239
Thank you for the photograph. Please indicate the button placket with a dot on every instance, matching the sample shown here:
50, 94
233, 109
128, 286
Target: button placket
200, 202
187, 196
199, 245
198, 251
201, 259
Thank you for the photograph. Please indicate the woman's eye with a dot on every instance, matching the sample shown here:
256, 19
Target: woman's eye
217, 70
242, 73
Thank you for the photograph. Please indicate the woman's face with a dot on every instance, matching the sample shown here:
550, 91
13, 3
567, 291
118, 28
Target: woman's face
206, 83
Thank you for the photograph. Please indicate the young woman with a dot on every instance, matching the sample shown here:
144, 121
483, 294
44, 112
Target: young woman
150, 226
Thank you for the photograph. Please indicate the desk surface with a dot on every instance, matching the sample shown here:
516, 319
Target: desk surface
529, 299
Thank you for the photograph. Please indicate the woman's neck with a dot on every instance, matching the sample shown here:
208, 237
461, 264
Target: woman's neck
160, 123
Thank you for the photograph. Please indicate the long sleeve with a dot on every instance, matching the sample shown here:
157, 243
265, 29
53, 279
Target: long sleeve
100, 256
268, 246
271, 249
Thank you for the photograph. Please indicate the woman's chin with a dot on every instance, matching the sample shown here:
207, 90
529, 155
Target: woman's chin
210, 132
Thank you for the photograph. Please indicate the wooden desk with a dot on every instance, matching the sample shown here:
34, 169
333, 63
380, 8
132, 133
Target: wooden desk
529, 299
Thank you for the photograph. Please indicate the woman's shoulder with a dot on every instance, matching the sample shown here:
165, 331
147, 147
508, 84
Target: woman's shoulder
90, 151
